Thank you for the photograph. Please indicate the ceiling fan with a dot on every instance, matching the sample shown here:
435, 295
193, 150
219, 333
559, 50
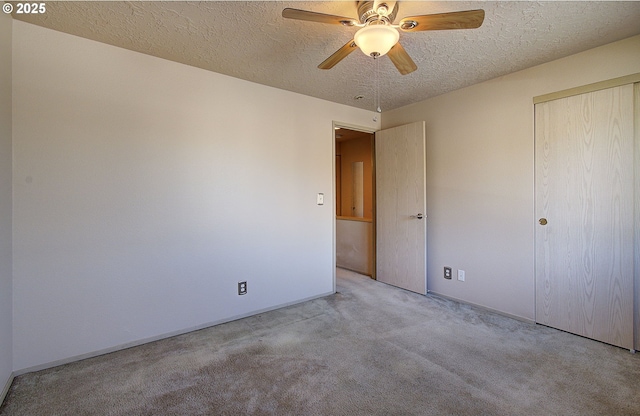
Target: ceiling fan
379, 35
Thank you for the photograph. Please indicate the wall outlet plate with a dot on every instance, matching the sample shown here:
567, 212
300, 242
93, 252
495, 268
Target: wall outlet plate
242, 288
447, 273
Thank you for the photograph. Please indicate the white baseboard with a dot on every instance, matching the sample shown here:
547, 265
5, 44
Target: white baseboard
486, 308
157, 337
6, 388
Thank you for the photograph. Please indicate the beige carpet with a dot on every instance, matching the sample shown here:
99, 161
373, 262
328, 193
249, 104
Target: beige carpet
370, 349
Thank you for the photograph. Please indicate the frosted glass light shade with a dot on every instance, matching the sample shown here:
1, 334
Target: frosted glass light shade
376, 40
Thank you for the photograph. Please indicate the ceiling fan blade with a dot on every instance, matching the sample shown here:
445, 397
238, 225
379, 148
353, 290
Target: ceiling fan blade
339, 55
317, 17
469, 19
401, 59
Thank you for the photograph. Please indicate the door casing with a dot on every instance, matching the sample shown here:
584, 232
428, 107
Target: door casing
375, 213
337, 124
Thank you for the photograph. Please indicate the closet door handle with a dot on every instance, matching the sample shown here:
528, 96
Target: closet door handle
542, 221
419, 216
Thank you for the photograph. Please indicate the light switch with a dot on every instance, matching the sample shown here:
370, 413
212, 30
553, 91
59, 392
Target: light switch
320, 199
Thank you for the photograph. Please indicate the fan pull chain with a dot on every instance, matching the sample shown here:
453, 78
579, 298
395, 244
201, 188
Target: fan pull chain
378, 109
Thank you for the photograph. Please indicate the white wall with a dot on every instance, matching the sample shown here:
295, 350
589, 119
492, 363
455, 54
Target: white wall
6, 201
144, 190
480, 170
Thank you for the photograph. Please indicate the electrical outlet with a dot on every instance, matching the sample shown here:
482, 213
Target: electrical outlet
461, 275
447, 272
242, 288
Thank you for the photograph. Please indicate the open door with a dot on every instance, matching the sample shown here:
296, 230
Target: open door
401, 220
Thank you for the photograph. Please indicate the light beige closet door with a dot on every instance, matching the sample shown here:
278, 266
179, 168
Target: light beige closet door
401, 230
584, 192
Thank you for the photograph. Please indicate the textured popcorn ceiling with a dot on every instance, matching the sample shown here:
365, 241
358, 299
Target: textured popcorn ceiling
251, 40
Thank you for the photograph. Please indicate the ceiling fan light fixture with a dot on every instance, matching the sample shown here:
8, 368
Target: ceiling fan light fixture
376, 40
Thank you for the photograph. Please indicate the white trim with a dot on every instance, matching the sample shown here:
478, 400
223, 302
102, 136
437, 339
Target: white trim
370, 130
596, 86
7, 386
636, 238
486, 308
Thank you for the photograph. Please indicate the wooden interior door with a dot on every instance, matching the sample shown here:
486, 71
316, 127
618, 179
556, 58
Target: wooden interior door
584, 191
401, 230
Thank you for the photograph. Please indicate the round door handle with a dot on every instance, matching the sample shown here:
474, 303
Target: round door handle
419, 216
542, 221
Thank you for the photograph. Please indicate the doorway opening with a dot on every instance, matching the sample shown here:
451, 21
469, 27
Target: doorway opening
355, 200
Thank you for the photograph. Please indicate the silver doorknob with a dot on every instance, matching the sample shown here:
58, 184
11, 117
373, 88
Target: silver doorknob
419, 216
542, 221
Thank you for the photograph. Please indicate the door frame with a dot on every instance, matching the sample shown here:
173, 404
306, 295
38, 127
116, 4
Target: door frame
369, 130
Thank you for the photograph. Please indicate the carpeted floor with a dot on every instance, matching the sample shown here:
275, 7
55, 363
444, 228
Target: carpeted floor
370, 349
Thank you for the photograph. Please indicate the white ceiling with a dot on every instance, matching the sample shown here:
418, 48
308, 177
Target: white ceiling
251, 40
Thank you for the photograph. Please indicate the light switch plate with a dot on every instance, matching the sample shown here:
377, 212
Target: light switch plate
320, 199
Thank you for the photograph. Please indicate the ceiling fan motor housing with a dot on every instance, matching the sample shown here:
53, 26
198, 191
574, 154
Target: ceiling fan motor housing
367, 14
